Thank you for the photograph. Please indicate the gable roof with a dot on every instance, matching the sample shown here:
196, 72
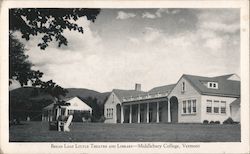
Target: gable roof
127, 93
75, 104
133, 93
166, 88
225, 87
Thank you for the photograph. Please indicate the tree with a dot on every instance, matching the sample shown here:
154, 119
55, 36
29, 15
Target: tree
51, 22
19, 66
20, 70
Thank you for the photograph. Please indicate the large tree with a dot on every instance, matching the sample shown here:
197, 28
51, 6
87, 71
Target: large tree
50, 23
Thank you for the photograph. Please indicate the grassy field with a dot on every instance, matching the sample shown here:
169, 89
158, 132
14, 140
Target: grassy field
99, 132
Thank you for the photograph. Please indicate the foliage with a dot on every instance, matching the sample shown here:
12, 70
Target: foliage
20, 110
205, 122
97, 108
228, 121
212, 122
20, 70
217, 122
51, 88
51, 22
19, 66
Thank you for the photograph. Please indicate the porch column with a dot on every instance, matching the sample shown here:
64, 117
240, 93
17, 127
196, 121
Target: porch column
169, 115
147, 113
130, 113
139, 113
157, 112
122, 115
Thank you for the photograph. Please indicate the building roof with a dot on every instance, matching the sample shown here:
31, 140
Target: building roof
127, 93
75, 104
236, 102
225, 87
166, 88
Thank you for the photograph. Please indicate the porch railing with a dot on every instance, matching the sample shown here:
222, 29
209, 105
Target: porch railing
144, 97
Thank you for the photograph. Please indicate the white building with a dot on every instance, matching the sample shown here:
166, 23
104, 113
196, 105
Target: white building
75, 105
192, 99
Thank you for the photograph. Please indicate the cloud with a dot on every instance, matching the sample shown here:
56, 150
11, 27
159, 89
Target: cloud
123, 15
221, 27
148, 15
215, 27
151, 34
67, 63
220, 21
149, 56
161, 11
214, 43
134, 40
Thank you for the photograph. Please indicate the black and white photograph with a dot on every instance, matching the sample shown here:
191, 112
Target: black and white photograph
156, 77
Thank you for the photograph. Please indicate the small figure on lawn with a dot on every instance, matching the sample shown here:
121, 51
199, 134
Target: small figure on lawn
61, 120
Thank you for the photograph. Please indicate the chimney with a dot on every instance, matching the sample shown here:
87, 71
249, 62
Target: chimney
138, 87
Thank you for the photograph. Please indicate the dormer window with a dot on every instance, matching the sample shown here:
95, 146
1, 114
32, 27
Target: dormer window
213, 85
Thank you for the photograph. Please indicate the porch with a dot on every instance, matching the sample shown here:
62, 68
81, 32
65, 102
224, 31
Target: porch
144, 111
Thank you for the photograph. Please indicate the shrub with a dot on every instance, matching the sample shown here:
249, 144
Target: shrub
205, 122
217, 122
212, 122
102, 119
228, 121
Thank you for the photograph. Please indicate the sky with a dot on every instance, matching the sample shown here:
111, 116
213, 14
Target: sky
153, 47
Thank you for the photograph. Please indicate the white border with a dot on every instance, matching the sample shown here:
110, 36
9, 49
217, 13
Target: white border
219, 147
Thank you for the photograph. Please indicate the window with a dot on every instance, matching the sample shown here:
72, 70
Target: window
189, 106
194, 106
223, 107
209, 106
109, 113
184, 107
216, 106
183, 87
213, 85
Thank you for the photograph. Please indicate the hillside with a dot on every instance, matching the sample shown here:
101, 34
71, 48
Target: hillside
87, 93
34, 94
29, 101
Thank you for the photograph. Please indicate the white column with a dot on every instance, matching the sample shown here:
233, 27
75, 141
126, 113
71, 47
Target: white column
130, 113
157, 112
147, 112
58, 112
138, 115
66, 112
169, 115
122, 115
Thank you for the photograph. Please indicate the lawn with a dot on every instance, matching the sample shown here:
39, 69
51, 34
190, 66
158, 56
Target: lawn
100, 132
